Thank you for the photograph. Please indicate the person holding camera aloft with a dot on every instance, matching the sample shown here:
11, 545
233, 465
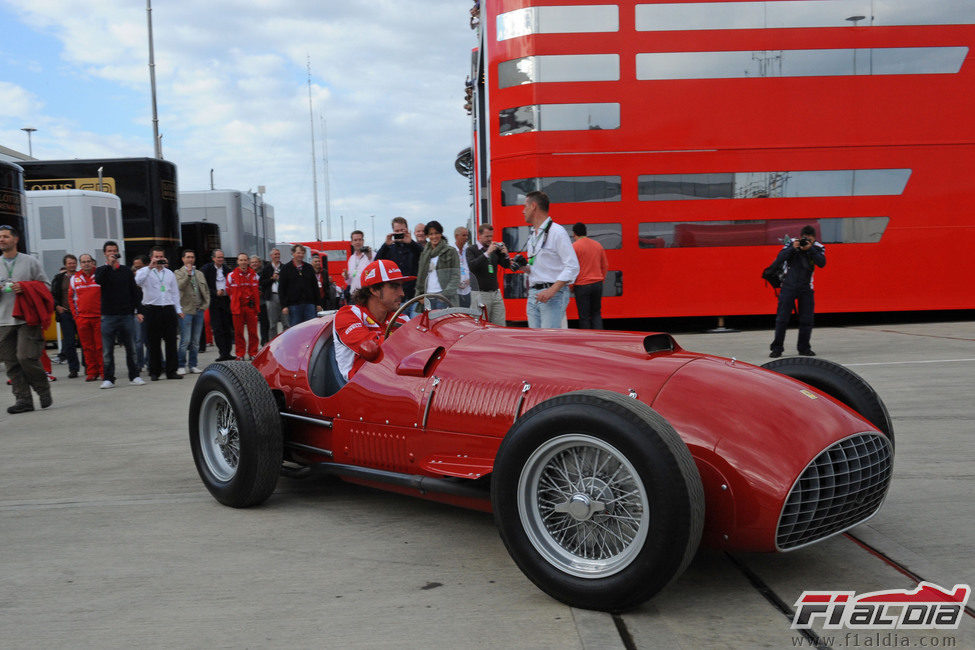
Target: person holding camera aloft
162, 311
120, 299
797, 258
400, 249
245, 302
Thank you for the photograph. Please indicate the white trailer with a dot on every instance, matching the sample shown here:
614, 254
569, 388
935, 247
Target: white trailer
72, 221
246, 222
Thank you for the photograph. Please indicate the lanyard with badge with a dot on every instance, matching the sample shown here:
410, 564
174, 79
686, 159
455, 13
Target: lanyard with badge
8, 285
537, 241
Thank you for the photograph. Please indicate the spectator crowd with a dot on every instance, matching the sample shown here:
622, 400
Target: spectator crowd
163, 313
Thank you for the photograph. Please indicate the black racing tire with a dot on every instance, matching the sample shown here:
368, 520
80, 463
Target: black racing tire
597, 499
841, 383
235, 434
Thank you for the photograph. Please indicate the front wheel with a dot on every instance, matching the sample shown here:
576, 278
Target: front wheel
597, 500
235, 434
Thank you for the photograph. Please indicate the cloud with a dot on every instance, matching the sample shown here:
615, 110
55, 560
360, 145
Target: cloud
233, 96
18, 102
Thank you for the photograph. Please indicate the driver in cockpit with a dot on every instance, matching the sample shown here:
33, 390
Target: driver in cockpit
359, 327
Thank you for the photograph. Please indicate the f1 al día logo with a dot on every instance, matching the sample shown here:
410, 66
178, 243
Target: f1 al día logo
928, 607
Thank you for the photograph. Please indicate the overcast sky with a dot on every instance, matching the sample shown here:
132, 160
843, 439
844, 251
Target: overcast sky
232, 95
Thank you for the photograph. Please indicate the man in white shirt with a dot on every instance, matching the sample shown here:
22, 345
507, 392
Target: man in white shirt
461, 237
361, 256
162, 310
552, 265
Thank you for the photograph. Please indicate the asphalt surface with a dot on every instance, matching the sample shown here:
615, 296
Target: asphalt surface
108, 538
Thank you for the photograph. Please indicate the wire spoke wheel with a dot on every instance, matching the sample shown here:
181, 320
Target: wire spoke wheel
219, 436
583, 506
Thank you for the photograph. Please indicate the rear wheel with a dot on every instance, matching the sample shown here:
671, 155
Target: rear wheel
597, 500
841, 383
235, 434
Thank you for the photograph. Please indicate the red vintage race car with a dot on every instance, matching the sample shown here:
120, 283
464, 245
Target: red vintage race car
606, 457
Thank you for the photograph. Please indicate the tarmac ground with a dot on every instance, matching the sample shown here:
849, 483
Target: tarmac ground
108, 538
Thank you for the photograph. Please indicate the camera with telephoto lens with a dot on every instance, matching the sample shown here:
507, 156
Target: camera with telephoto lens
519, 262
803, 241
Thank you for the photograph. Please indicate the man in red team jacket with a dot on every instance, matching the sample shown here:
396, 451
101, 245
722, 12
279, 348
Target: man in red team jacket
245, 302
359, 327
85, 298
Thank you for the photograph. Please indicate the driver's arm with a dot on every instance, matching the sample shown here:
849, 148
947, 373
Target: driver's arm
354, 334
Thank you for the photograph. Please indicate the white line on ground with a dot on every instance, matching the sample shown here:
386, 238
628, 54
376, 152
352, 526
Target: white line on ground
895, 363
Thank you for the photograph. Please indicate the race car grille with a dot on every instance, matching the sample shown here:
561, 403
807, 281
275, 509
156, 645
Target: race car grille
841, 487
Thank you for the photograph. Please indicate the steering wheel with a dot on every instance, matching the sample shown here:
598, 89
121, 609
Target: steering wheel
392, 321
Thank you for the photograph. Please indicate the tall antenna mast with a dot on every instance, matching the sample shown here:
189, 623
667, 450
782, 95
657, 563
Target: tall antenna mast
314, 169
328, 187
156, 142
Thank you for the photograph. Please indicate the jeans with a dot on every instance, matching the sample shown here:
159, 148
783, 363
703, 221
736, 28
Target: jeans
189, 338
547, 314
69, 340
589, 303
301, 313
120, 325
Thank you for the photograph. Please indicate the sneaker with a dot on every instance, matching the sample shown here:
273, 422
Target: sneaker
181, 371
194, 370
20, 407
107, 384
775, 354
46, 399
138, 381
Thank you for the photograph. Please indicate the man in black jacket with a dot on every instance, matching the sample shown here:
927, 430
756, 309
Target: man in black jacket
221, 320
798, 258
298, 288
120, 298
400, 248
483, 260
62, 310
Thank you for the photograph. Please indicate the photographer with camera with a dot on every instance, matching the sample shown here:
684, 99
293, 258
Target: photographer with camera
360, 257
162, 311
400, 249
242, 287
552, 265
120, 300
798, 259
483, 261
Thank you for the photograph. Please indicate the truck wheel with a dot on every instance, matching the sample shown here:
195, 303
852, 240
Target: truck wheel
235, 434
841, 383
597, 499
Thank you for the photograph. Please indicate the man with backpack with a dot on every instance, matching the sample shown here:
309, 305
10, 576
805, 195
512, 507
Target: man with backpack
797, 260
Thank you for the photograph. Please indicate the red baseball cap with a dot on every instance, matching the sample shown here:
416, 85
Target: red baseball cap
383, 271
